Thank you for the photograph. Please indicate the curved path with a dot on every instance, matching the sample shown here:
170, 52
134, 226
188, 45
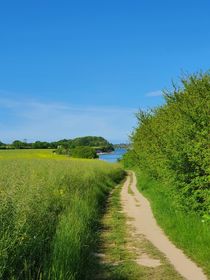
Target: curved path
137, 207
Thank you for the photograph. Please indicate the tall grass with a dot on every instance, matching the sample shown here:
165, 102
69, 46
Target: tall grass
187, 230
49, 211
30, 154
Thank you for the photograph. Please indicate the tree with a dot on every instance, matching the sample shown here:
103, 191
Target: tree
83, 152
2, 145
17, 144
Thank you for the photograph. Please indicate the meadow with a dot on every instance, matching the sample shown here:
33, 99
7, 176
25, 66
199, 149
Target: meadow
30, 154
50, 207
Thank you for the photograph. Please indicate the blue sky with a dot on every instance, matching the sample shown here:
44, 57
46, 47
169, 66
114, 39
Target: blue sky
73, 68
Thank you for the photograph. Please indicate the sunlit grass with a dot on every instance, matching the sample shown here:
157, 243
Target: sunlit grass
30, 153
49, 211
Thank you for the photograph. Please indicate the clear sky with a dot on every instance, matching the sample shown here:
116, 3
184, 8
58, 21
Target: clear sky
74, 68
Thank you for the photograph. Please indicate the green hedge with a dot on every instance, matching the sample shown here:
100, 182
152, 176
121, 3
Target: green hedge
171, 143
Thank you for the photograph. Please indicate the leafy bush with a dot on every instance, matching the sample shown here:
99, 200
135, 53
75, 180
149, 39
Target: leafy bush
171, 143
83, 152
92, 141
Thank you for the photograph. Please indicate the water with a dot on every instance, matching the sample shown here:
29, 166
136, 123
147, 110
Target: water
114, 156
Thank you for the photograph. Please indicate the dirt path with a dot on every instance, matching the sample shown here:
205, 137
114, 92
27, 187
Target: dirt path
137, 208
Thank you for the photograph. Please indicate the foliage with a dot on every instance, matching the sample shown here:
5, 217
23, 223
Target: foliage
92, 141
85, 147
172, 143
49, 211
41, 145
130, 159
83, 152
61, 150
99, 143
18, 144
2, 145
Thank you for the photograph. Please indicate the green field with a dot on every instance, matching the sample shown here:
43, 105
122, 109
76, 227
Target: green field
50, 207
30, 153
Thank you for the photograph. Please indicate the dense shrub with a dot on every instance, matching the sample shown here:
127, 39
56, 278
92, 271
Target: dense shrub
83, 152
171, 143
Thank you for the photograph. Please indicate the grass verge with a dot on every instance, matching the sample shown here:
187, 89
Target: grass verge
186, 230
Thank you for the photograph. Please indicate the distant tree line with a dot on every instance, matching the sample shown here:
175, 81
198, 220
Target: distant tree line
172, 143
85, 147
17, 144
92, 141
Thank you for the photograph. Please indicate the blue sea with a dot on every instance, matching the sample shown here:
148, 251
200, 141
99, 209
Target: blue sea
114, 156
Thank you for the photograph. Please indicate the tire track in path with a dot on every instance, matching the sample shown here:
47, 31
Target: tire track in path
138, 210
